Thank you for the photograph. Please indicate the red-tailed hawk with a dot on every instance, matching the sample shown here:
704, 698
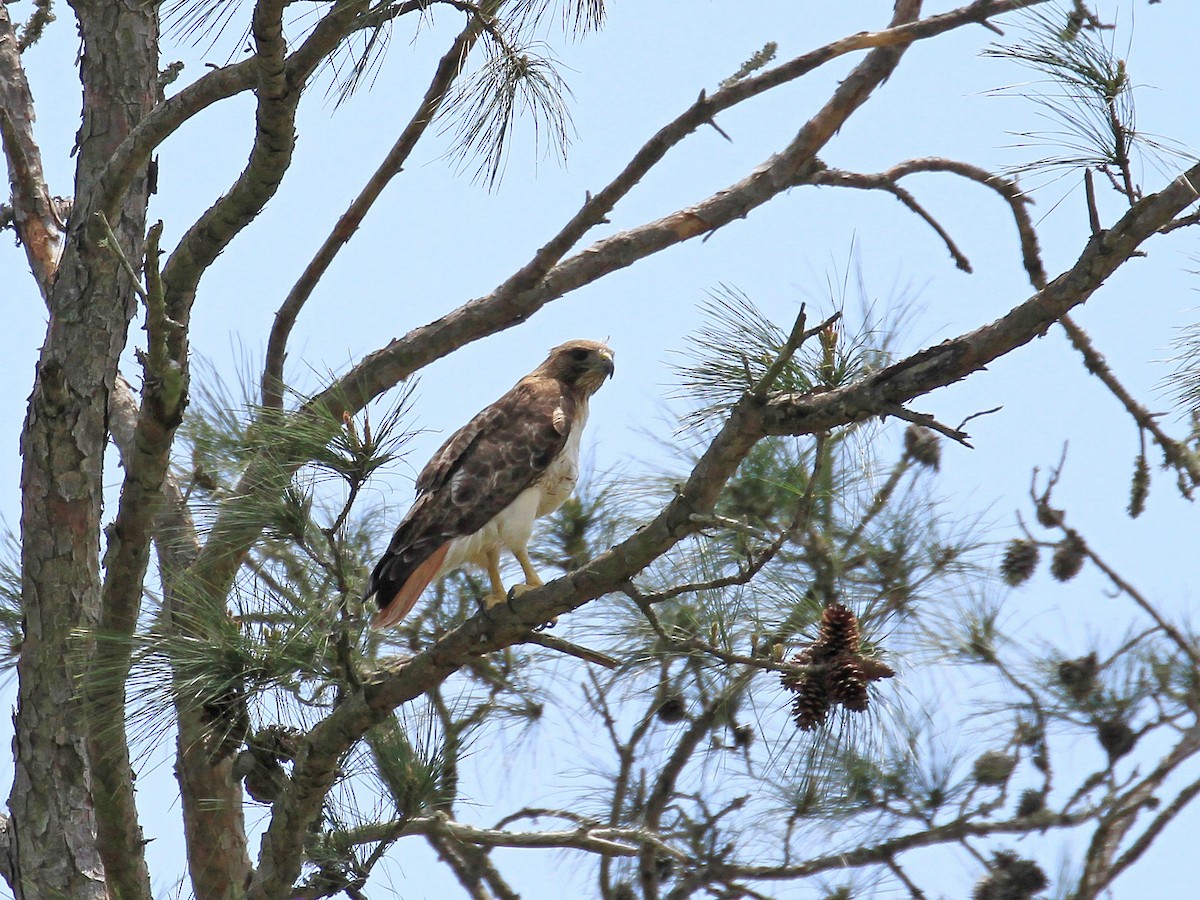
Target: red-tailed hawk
516, 460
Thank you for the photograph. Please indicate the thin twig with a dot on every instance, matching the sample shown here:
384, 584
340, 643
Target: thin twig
550, 642
1089, 189
915, 892
114, 246
1188, 647
884, 182
928, 421
1174, 452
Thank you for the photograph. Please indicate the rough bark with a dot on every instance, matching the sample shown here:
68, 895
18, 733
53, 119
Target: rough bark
90, 305
34, 215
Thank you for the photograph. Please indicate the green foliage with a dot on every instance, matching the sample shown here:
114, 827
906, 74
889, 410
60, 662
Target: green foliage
577, 16
12, 630
410, 764
756, 61
1090, 99
732, 352
518, 78
1185, 380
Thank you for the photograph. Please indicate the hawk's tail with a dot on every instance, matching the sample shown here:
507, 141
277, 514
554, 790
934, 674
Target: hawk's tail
405, 597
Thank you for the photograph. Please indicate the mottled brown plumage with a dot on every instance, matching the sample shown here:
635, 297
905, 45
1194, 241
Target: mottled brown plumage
515, 461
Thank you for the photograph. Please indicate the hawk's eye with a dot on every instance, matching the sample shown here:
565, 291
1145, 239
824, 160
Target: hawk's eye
579, 354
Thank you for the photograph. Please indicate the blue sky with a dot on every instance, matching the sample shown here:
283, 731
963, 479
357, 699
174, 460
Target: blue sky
437, 240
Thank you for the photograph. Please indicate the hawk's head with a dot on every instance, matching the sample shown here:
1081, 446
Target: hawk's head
582, 364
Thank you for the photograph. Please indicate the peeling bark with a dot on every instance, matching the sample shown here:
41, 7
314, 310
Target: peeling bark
34, 215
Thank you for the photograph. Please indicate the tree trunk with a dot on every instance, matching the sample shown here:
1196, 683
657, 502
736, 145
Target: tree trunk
63, 442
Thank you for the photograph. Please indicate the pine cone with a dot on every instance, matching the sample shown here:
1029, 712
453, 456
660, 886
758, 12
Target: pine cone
1140, 487
1116, 737
922, 445
1068, 558
793, 680
1020, 560
1032, 802
1047, 515
810, 708
839, 631
847, 684
1078, 676
993, 767
1010, 878
673, 709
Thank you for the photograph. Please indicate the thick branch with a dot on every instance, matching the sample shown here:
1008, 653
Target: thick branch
33, 213
211, 798
274, 138
958, 357
1174, 452
145, 455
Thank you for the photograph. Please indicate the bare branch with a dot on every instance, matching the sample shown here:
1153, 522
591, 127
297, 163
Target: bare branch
34, 215
1174, 452
211, 797
1181, 222
146, 457
274, 138
113, 245
881, 853
550, 642
1099, 868
1153, 830
450, 852
881, 182
1180, 640
664, 786
927, 421
602, 840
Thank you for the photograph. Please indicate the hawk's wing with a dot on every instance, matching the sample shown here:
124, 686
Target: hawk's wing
475, 474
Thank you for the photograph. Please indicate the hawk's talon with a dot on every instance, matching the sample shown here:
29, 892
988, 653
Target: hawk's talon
516, 591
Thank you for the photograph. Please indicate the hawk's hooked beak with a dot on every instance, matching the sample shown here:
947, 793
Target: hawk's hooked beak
606, 363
